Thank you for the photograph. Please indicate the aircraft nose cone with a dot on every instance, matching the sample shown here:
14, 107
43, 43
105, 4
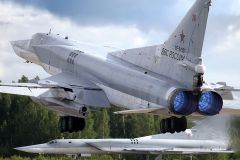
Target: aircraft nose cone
27, 149
31, 149
12, 43
20, 43
17, 47
21, 47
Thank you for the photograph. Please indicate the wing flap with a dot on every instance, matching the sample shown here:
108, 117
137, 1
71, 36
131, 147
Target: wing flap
95, 98
29, 85
178, 150
199, 150
25, 89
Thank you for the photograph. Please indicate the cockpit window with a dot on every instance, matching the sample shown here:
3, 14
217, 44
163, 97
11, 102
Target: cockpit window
52, 142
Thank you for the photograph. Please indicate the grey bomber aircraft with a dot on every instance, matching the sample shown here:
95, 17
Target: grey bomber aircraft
215, 139
162, 79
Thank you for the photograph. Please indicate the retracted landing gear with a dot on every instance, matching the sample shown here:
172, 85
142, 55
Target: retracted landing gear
71, 124
173, 124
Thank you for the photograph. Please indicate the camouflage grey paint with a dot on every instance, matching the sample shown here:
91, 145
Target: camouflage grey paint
135, 78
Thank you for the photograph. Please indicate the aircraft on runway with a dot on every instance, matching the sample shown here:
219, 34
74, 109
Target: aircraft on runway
162, 79
215, 139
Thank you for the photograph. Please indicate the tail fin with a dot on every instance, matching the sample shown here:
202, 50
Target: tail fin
189, 35
210, 128
214, 128
179, 58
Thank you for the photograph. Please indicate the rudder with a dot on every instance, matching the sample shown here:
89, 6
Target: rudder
188, 37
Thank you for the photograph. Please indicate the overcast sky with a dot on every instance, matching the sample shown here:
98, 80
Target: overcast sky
122, 24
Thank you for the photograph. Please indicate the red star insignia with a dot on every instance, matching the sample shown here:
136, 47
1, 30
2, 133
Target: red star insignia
194, 17
182, 36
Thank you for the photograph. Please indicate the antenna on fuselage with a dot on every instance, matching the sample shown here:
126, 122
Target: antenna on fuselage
50, 31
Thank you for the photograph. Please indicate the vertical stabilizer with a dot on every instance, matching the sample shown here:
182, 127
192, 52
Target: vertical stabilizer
189, 35
210, 128
179, 58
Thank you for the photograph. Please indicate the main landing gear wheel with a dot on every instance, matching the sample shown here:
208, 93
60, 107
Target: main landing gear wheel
173, 124
71, 124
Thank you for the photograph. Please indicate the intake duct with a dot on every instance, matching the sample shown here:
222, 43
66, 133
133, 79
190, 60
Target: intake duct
210, 103
183, 102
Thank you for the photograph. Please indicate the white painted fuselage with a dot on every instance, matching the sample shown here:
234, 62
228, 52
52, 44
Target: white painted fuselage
160, 79
137, 146
124, 85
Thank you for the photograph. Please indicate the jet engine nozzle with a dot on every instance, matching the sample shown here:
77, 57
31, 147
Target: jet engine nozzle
210, 103
183, 102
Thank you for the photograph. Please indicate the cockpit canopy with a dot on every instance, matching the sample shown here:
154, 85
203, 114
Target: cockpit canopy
53, 142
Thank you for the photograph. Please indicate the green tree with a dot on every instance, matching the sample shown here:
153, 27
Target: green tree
116, 123
23, 79
5, 106
146, 124
89, 131
132, 126
101, 124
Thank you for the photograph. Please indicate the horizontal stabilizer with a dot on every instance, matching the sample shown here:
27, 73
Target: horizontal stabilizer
230, 111
226, 92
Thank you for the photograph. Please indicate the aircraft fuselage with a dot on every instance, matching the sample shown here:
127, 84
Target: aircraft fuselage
57, 55
137, 146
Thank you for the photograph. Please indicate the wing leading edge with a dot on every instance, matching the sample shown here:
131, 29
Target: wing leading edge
62, 86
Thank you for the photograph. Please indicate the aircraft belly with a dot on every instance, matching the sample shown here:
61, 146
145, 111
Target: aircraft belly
50, 69
125, 80
121, 99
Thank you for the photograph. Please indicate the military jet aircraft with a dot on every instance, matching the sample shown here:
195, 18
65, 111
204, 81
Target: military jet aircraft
215, 139
162, 79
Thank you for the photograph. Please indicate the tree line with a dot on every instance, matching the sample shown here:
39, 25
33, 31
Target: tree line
24, 122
